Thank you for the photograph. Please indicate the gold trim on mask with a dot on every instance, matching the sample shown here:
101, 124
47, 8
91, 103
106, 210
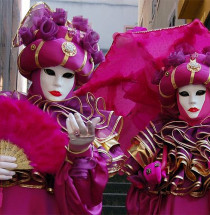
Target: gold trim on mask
65, 59
173, 79
193, 67
83, 63
163, 95
90, 71
208, 79
21, 70
192, 76
37, 53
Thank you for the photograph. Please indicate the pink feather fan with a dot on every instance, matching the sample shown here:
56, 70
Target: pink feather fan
26, 128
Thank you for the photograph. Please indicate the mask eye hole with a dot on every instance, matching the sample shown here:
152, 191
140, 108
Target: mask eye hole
184, 93
68, 75
200, 92
49, 72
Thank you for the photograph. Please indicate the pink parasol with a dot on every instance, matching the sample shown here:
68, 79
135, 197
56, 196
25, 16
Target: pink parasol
124, 80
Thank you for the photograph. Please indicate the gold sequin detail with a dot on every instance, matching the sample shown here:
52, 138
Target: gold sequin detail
83, 63
37, 53
173, 79
33, 47
69, 49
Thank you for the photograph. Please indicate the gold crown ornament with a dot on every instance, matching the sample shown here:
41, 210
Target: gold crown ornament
193, 65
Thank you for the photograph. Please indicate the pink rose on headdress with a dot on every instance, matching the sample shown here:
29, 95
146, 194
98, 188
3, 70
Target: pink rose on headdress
90, 41
80, 23
48, 29
26, 35
176, 58
98, 57
185, 48
206, 51
207, 59
76, 36
59, 16
158, 76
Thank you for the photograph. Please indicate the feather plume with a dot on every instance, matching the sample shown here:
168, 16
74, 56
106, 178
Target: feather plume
34, 131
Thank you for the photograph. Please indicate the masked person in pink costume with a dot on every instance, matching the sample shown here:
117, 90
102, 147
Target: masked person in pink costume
170, 158
164, 80
70, 142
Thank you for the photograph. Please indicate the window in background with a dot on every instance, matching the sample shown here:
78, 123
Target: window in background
207, 21
154, 5
172, 19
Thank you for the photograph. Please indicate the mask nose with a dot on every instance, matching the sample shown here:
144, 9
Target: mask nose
192, 99
57, 81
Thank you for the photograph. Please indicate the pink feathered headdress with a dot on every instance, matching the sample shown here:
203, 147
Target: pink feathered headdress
52, 40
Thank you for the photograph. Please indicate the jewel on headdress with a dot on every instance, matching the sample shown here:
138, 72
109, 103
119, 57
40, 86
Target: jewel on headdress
69, 49
193, 65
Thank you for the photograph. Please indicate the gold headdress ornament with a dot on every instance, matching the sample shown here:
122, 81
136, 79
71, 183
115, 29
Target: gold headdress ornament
26, 22
193, 65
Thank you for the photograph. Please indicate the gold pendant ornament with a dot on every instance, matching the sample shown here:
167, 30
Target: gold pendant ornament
193, 65
69, 49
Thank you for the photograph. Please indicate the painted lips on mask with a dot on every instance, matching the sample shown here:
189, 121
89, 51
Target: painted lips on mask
193, 109
55, 93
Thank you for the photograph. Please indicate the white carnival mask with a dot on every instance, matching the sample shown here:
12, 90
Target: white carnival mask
56, 82
191, 98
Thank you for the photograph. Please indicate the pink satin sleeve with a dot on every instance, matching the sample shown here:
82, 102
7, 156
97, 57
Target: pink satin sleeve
79, 185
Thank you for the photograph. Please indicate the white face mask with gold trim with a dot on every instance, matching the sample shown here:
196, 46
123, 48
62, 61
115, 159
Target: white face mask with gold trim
56, 82
192, 98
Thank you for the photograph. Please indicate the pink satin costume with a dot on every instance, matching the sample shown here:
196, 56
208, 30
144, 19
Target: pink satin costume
147, 69
62, 181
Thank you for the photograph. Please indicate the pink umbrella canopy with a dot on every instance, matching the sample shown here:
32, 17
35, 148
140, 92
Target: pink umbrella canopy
124, 80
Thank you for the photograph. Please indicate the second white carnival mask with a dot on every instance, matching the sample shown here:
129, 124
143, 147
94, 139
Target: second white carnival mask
192, 98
